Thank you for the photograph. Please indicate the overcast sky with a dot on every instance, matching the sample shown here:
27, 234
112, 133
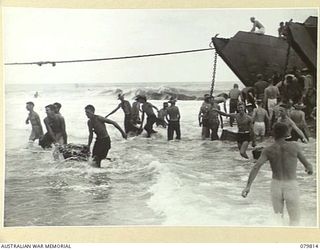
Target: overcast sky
32, 34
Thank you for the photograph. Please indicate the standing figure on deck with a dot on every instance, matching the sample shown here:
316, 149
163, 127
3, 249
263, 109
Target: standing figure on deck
34, 119
257, 26
203, 117
245, 130
282, 156
126, 107
259, 117
147, 108
102, 144
234, 95
173, 118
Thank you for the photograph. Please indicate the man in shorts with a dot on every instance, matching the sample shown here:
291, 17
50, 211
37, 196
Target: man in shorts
126, 107
259, 117
245, 130
147, 108
102, 144
282, 156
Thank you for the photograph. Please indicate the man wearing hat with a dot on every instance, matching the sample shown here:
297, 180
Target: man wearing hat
126, 107
147, 108
173, 118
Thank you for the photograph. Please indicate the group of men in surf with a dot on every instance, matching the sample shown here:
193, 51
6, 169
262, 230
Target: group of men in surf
257, 108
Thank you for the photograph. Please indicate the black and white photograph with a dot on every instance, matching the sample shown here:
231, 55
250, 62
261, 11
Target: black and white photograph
160, 117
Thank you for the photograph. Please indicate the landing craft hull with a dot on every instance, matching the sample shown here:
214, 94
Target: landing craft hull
248, 54
303, 38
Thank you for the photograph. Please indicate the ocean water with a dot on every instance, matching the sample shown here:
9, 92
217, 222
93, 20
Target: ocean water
149, 181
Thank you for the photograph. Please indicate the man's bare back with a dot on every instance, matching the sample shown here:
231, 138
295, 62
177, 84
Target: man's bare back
271, 92
259, 114
283, 157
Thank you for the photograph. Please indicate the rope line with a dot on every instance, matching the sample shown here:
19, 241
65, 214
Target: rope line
40, 63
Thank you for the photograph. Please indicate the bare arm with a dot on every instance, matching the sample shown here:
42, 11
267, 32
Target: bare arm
142, 119
90, 134
254, 171
199, 117
113, 111
50, 130
27, 120
298, 130
225, 114
124, 135
253, 27
63, 127
154, 107
304, 161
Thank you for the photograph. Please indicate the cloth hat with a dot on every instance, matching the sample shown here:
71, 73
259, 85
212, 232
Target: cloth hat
143, 97
137, 97
120, 95
172, 100
299, 106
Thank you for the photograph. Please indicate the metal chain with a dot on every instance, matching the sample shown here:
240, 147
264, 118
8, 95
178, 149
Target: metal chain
214, 72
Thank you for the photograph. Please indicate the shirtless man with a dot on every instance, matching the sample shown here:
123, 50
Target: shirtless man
126, 107
135, 110
55, 125
259, 116
285, 119
102, 144
147, 108
257, 25
248, 95
173, 119
260, 86
245, 131
234, 95
34, 119
57, 107
282, 156
213, 119
298, 117
271, 93
162, 113
203, 117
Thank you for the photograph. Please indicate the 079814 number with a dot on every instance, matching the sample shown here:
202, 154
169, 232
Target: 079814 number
305, 245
